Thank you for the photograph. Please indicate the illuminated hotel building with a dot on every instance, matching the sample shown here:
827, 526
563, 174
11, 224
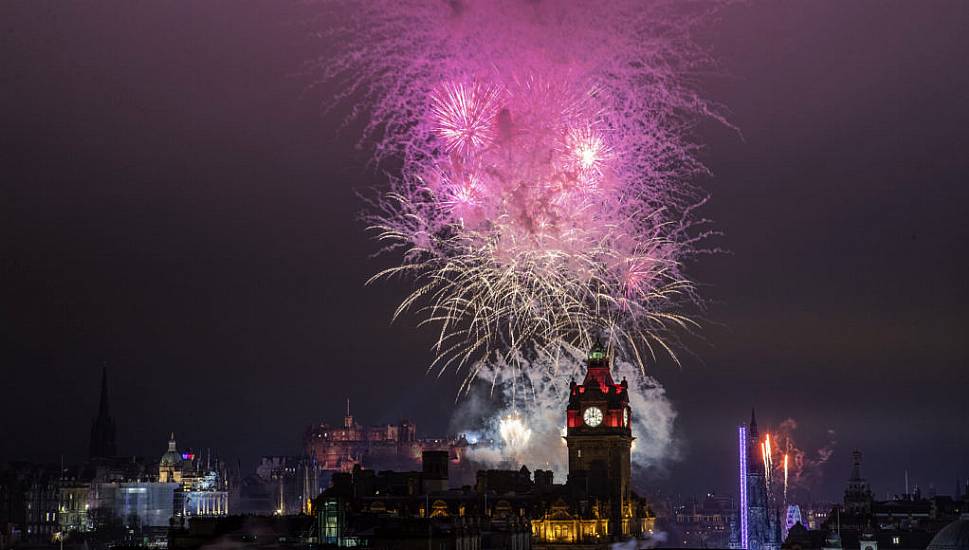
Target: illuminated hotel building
599, 438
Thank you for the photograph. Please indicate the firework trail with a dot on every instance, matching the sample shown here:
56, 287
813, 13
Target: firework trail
800, 469
786, 455
766, 449
542, 198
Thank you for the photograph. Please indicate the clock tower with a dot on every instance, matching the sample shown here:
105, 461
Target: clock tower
599, 439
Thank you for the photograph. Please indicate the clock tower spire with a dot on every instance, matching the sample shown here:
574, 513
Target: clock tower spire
599, 440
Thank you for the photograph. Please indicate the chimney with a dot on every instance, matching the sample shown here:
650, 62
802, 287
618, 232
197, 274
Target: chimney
434, 471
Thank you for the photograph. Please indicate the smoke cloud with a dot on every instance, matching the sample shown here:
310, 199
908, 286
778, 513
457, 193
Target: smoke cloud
507, 400
805, 467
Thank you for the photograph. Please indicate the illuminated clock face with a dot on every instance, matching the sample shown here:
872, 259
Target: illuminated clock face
592, 417
625, 417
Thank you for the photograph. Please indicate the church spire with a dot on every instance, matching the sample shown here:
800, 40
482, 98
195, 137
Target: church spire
755, 463
103, 405
856, 466
103, 429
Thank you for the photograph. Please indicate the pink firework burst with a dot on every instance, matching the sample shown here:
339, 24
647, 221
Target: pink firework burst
464, 115
586, 154
544, 197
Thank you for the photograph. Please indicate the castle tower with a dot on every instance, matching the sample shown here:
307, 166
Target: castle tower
103, 429
599, 439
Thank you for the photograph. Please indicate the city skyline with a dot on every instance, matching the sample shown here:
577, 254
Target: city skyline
179, 210
811, 491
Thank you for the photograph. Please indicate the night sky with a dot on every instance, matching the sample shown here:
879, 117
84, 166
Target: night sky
178, 204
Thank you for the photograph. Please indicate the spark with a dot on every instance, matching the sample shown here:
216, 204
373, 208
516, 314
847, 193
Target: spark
785, 477
768, 463
763, 453
587, 154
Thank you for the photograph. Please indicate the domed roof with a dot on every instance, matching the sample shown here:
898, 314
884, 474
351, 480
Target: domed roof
171, 457
954, 536
833, 540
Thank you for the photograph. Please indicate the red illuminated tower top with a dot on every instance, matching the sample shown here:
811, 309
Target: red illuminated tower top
598, 405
